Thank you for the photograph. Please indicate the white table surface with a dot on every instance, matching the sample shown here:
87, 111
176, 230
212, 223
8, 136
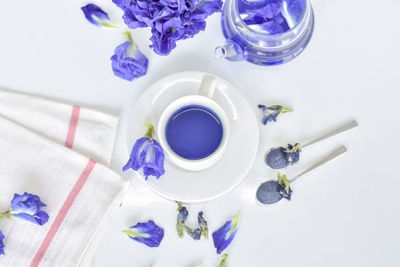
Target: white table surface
344, 214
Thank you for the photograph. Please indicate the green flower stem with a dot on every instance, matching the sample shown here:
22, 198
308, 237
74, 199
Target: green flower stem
179, 205
283, 110
179, 228
150, 130
135, 233
6, 214
106, 24
223, 260
283, 180
128, 36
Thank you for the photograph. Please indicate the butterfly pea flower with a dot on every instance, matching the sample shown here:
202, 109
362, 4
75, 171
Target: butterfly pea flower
128, 62
97, 16
147, 233
181, 219
293, 153
224, 258
272, 112
271, 192
148, 155
224, 235
169, 20
1, 243
194, 233
27, 207
281, 157
203, 224
285, 189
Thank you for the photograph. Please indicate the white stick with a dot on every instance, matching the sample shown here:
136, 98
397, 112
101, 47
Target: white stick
331, 156
339, 130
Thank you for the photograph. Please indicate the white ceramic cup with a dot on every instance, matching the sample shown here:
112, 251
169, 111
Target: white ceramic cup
203, 98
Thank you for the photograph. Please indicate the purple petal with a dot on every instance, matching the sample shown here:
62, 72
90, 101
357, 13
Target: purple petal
92, 11
1, 243
126, 67
134, 160
156, 233
220, 243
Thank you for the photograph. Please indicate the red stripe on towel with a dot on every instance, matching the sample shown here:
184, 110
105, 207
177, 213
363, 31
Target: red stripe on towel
62, 213
73, 123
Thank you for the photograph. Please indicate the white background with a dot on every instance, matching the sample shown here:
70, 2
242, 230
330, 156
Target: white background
344, 214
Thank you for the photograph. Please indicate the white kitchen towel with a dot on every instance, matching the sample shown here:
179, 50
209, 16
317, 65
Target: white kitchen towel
86, 131
36, 137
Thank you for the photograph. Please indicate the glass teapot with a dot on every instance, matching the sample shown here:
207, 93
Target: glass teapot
265, 32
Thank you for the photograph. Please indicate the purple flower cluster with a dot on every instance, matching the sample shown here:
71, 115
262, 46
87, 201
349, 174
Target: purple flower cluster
169, 20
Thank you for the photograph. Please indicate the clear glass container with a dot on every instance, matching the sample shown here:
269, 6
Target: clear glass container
265, 32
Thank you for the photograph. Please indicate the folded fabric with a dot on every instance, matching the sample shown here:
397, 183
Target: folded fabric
61, 153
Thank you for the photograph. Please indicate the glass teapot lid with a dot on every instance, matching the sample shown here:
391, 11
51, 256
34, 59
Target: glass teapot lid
271, 17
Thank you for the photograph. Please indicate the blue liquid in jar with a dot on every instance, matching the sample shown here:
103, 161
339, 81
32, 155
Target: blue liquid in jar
271, 17
265, 32
194, 132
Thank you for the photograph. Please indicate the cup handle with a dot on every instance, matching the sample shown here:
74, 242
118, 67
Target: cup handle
207, 86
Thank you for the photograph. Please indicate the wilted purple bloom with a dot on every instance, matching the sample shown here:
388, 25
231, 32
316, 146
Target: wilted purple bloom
1, 243
181, 219
148, 155
203, 224
129, 67
96, 15
194, 233
147, 233
224, 235
272, 112
285, 192
27, 207
293, 153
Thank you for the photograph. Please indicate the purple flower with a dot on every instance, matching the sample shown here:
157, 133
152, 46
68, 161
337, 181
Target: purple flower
27, 207
96, 16
148, 155
169, 20
1, 243
126, 67
147, 233
292, 153
181, 219
284, 189
224, 235
272, 112
194, 233
203, 224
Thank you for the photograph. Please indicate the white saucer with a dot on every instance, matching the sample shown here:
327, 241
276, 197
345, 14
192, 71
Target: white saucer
185, 186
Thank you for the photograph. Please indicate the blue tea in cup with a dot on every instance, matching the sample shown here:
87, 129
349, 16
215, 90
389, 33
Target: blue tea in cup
194, 129
194, 132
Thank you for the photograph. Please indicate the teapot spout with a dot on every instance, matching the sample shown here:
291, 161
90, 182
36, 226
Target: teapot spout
229, 50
